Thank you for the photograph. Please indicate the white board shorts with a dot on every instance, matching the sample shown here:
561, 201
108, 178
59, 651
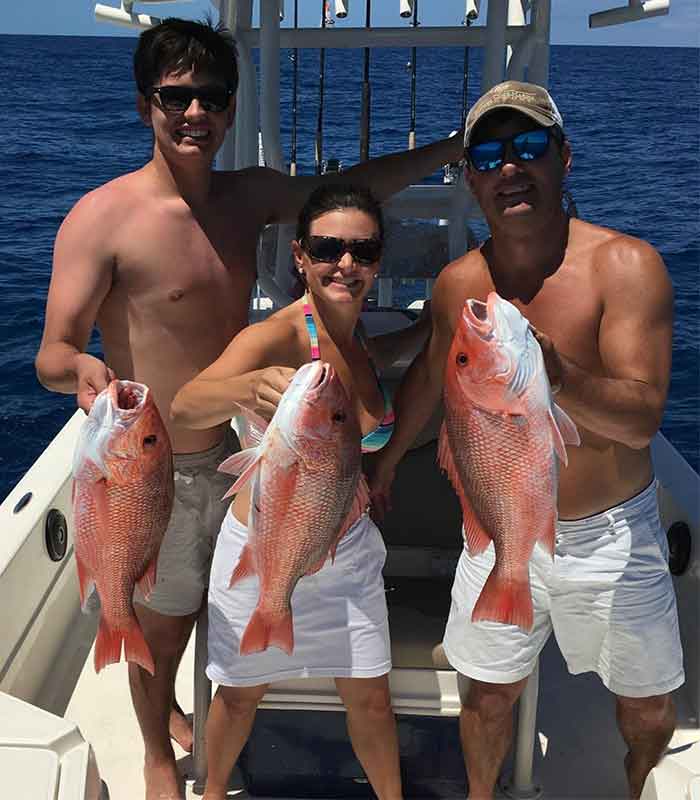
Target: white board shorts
341, 626
608, 596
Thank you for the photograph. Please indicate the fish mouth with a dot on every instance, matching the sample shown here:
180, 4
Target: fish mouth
320, 378
127, 395
478, 316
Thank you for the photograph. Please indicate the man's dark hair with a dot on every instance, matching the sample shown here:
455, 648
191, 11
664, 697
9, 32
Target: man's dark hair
335, 197
182, 45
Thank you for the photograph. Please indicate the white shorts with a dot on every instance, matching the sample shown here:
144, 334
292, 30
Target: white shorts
341, 626
608, 596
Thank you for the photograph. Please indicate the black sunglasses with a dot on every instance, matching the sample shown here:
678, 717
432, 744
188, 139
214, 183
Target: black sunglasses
177, 99
527, 146
330, 249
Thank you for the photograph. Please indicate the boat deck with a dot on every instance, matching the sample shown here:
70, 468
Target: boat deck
578, 754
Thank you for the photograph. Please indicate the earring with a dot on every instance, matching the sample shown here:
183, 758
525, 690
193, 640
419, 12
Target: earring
375, 275
301, 272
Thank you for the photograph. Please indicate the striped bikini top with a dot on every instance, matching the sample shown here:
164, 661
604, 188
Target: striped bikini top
376, 439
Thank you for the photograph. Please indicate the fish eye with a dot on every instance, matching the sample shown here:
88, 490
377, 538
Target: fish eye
150, 440
462, 359
339, 416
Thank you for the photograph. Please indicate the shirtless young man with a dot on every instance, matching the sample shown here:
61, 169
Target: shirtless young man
601, 303
163, 261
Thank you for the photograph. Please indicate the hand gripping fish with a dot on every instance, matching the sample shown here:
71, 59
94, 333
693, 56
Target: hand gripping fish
501, 445
307, 490
122, 499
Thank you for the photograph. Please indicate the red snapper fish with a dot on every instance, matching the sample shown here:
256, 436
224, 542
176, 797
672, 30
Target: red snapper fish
122, 499
307, 490
501, 444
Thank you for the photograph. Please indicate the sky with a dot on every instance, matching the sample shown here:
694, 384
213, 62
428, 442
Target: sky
569, 19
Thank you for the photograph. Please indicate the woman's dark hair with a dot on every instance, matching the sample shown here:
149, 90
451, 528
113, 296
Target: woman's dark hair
335, 197
181, 45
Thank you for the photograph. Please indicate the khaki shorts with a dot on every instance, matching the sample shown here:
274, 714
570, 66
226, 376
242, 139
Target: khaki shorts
607, 595
182, 573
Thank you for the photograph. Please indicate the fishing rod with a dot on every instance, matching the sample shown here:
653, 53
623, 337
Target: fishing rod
366, 95
295, 70
465, 78
412, 128
471, 12
321, 79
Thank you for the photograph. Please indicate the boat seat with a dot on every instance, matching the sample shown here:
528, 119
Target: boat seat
418, 609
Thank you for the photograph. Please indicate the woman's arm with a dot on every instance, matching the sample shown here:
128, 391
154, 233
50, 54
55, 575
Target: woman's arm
253, 371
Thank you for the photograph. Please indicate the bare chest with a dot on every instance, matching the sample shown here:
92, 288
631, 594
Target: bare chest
176, 267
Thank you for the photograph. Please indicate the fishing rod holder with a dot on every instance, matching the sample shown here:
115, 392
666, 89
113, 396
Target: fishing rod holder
635, 10
472, 9
125, 15
406, 8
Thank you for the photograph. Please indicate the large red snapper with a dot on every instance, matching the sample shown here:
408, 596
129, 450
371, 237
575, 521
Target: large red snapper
122, 499
501, 444
307, 490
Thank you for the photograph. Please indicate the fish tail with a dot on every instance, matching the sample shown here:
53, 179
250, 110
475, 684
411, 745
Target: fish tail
260, 634
505, 600
108, 646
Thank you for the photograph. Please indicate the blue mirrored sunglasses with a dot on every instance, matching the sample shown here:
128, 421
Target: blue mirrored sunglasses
527, 146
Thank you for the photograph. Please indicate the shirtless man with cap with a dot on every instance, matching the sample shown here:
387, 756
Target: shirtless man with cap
601, 304
163, 260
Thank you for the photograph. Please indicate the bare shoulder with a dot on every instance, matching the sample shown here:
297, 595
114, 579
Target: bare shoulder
465, 277
99, 206
277, 336
623, 263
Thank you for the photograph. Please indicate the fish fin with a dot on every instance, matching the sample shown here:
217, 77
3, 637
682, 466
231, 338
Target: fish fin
564, 432
237, 463
477, 538
148, 580
136, 648
245, 566
251, 427
260, 634
108, 646
243, 467
548, 536
86, 583
508, 601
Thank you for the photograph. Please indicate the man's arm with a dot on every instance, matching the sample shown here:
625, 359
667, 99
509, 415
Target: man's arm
415, 400
80, 280
634, 341
384, 176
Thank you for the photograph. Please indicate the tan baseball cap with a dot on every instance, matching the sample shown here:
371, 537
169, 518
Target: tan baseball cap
528, 98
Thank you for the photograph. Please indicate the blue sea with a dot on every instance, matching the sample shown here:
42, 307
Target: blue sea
632, 115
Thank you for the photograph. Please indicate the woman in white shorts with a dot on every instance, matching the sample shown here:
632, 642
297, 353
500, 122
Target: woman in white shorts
340, 614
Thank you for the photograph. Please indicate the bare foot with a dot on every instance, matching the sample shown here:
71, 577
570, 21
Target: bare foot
180, 728
163, 781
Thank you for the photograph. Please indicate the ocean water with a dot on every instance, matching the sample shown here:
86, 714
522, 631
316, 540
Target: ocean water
632, 115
